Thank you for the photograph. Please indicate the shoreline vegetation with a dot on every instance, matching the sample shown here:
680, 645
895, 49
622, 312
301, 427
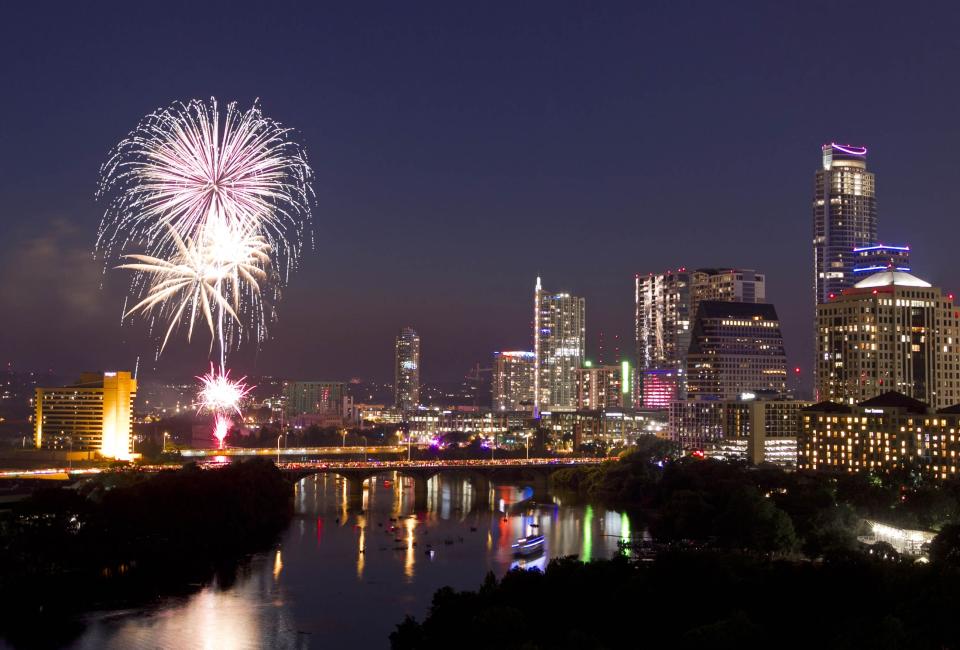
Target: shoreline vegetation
738, 557
129, 539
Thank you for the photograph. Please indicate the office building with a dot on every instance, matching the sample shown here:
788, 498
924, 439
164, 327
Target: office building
757, 427
735, 348
327, 399
891, 331
406, 384
512, 380
891, 431
95, 414
601, 387
559, 341
881, 257
728, 285
844, 217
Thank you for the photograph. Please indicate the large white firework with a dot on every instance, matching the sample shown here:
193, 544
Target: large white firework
210, 215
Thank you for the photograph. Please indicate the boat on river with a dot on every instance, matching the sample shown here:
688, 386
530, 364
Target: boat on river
529, 545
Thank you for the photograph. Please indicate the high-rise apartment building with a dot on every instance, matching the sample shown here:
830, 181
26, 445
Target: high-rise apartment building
95, 414
512, 380
602, 387
729, 285
662, 325
844, 217
735, 348
559, 341
406, 386
892, 331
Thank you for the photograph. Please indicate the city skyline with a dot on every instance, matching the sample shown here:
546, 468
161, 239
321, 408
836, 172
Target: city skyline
494, 150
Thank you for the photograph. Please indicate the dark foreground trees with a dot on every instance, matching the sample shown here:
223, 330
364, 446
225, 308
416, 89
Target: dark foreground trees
697, 600
130, 538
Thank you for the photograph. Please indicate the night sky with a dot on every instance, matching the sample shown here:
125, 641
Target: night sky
462, 148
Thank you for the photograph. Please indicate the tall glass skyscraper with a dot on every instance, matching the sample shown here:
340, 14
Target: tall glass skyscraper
844, 217
407, 370
559, 340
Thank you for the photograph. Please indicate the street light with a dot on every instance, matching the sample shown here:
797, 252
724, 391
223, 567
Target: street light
526, 437
278, 449
166, 435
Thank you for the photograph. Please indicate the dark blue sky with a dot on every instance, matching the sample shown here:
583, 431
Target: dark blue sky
462, 148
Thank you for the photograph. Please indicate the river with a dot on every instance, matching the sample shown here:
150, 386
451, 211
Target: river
338, 579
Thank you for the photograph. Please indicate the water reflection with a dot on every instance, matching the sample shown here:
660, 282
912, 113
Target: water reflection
341, 578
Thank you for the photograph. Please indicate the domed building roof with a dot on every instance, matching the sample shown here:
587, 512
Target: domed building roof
891, 276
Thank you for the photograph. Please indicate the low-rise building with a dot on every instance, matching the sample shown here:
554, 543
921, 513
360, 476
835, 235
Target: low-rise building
756, 427
883, 434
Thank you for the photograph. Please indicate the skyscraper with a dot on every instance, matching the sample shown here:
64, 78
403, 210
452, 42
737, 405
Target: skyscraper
844, 217
665, 306
662, 327
512, 381
892, 331
95, 414
559, 340
406, 385
735, 348
729, 285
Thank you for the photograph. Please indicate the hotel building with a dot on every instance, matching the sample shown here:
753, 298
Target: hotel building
888, 432
95, 414
892, 331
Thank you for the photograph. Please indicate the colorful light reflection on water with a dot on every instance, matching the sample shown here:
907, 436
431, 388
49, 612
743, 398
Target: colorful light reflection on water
340, 578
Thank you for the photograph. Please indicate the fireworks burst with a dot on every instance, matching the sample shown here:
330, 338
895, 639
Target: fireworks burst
211, 212
219, 393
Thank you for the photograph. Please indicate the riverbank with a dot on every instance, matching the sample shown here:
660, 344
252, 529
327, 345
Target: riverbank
697, 600
131, 539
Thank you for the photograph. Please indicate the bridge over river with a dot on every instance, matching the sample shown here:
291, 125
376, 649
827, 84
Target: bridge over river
482, 474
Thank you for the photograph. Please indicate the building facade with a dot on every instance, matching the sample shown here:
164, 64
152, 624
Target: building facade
889, 432
735, 348
728, 285
559, 343
662, 325
891, 331
758, 428
601, 387
95, 414
406, 384
844, 217
512, 380
321, 398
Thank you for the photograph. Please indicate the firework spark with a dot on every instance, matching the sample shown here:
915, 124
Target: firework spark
211, 212
219, 393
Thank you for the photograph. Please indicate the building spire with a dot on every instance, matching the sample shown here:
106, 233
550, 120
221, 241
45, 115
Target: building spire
538, 287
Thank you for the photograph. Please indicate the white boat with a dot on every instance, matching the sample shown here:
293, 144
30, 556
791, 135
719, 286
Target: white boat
528, 545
